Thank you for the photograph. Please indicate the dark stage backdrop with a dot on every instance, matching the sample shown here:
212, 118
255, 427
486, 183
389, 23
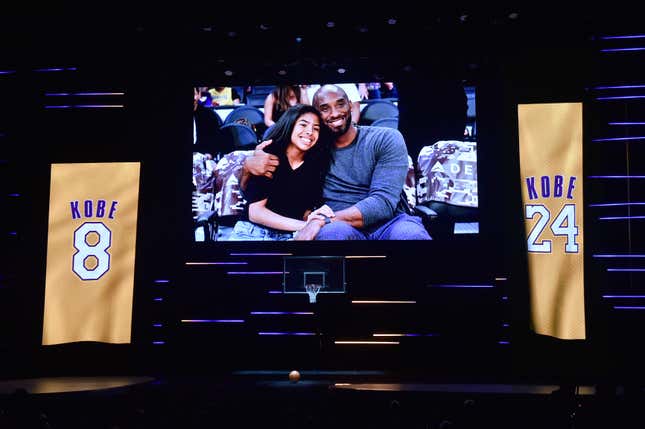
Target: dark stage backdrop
446, 307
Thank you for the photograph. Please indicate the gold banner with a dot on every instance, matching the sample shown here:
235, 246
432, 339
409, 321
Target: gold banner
551, 168
90, 252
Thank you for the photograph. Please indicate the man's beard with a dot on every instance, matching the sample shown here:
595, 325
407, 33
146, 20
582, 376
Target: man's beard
337, 132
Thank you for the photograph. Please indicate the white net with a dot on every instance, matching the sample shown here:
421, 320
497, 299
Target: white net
312, 289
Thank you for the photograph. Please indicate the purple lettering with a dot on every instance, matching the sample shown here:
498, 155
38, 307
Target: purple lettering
546, 192
113, 209
530, 185
100, 208
572, 179
88, 208
557, 186
75, 213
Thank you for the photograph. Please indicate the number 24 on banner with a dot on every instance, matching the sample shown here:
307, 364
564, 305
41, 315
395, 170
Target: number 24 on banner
564, 224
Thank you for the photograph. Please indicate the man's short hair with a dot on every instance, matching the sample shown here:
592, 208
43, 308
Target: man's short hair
327, 87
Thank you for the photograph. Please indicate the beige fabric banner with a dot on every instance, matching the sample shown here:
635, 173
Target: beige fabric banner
90, 252
551, 168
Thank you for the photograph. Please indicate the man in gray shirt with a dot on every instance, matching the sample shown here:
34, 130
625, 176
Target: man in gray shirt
365, 180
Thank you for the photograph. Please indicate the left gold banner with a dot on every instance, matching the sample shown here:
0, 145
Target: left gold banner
91, 246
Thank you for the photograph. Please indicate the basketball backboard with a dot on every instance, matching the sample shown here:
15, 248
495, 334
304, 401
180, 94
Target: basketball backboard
313, 275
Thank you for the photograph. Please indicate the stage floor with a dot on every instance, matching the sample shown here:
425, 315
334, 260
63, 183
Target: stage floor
329, 399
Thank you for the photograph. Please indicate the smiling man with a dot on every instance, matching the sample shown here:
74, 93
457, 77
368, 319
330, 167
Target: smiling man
364, 183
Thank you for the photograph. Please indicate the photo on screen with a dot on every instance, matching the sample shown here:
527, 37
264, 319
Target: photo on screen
440, 187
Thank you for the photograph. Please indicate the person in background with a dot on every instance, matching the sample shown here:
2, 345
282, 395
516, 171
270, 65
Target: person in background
291, 198
279, 100
370, 90
207, 136
224, 96
388, 90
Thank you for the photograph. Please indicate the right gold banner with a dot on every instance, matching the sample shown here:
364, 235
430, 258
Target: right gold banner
550, 138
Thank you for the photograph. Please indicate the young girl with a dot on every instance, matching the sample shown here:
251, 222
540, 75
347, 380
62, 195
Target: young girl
282, 205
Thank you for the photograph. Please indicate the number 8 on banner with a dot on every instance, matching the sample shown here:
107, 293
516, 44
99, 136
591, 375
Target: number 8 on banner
85, 250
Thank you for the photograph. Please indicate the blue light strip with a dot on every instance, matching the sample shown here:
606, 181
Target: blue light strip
626, 123
162, 281
616, 177
157, 325
86, 106
621, 307
158, 299
623, 296
404, 335
216, 263
462, 286
619, 87
300, 334
616, 139
626, 270
7, 71
253, 272
622, 49
629, 36
98, 93
13, 195
212, 321
98, 106
275, 292
505, 325
621, 97
616, 255
504, 342
158, 343
268, 313
260, 254
616, 204
70, 94
620, 217
51, 69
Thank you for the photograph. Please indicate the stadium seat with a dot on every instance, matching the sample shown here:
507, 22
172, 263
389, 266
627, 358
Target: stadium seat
242, 136
378, 109
251, 115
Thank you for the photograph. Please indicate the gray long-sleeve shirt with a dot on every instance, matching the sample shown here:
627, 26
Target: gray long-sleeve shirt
369, 174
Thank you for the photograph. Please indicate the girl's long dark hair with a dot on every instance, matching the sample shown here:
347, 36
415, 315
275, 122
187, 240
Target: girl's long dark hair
281, 131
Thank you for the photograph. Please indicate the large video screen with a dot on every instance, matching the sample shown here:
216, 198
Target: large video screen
332, 162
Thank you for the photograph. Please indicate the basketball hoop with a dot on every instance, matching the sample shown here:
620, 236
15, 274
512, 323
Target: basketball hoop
312, 289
